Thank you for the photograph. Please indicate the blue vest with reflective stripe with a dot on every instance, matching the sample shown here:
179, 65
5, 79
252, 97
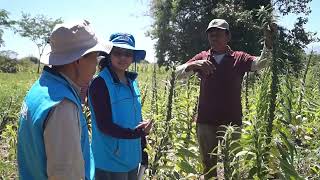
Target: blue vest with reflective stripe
49, 90
110, 153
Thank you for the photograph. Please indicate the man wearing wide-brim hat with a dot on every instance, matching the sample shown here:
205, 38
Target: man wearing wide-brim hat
53, 141
221, 71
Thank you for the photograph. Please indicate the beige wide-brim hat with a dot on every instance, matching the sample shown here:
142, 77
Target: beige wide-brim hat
70, 41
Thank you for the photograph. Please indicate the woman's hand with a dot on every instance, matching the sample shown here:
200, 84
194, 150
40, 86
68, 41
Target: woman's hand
145, 125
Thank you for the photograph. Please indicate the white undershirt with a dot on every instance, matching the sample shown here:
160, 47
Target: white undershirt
218, 57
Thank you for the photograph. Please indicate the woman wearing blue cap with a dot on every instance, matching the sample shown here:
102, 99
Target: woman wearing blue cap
118, 132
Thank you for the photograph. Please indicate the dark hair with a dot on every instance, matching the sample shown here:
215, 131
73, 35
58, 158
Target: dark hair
105, 61
88, 54
227, 32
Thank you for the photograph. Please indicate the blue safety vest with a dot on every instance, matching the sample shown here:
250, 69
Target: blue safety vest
110, 153
49, 90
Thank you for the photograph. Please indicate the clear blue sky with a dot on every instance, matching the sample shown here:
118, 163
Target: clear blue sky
106, 17
313, 24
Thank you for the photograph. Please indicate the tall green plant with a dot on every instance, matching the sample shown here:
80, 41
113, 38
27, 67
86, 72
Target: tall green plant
165, 137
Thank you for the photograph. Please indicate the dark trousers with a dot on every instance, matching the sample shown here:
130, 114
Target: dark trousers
107, 175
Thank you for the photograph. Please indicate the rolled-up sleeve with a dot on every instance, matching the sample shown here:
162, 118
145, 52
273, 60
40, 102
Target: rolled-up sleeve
263, 60
181, 71
62, 143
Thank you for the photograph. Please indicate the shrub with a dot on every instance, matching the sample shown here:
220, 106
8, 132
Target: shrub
8, 65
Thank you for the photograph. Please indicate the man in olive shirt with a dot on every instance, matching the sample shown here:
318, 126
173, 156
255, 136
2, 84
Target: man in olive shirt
221, 71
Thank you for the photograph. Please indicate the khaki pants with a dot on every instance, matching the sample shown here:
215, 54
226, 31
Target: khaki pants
207, 139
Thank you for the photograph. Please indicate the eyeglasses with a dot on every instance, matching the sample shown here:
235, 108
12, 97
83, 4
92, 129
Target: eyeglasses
122, 52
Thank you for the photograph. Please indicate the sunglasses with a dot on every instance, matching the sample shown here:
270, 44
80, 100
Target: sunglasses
122, 52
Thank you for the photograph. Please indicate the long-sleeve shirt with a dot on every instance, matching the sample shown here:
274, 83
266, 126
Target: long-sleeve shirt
101, 104
62, 141
100, 101
259, 63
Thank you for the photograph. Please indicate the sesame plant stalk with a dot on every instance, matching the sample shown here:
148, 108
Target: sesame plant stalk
267, 18
246, 93
145, 93
303, 82
154, 96
163, 145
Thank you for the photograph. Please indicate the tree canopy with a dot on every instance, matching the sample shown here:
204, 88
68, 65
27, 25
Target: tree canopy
37, 29
5, 22
179, 26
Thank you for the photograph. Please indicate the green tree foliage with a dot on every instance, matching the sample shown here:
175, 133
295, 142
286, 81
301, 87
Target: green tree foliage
179, 27
8, 61
8, 65
37, 29
4, 23
9, 54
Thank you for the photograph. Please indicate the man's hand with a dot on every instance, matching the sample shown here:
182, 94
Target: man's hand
268, 32
204, 67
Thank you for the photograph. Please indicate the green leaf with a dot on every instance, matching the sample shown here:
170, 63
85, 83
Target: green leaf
186, 167
183, 152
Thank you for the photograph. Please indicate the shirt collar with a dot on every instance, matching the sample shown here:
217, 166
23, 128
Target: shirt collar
229, 51
73, 84
64, 77
130, 75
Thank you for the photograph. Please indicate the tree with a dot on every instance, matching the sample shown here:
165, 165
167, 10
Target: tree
37, 29
179, 26
292, 42
9, 54
4, 23
8, 61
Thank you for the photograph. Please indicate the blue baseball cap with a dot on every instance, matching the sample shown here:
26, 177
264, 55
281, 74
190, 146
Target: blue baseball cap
126, 41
